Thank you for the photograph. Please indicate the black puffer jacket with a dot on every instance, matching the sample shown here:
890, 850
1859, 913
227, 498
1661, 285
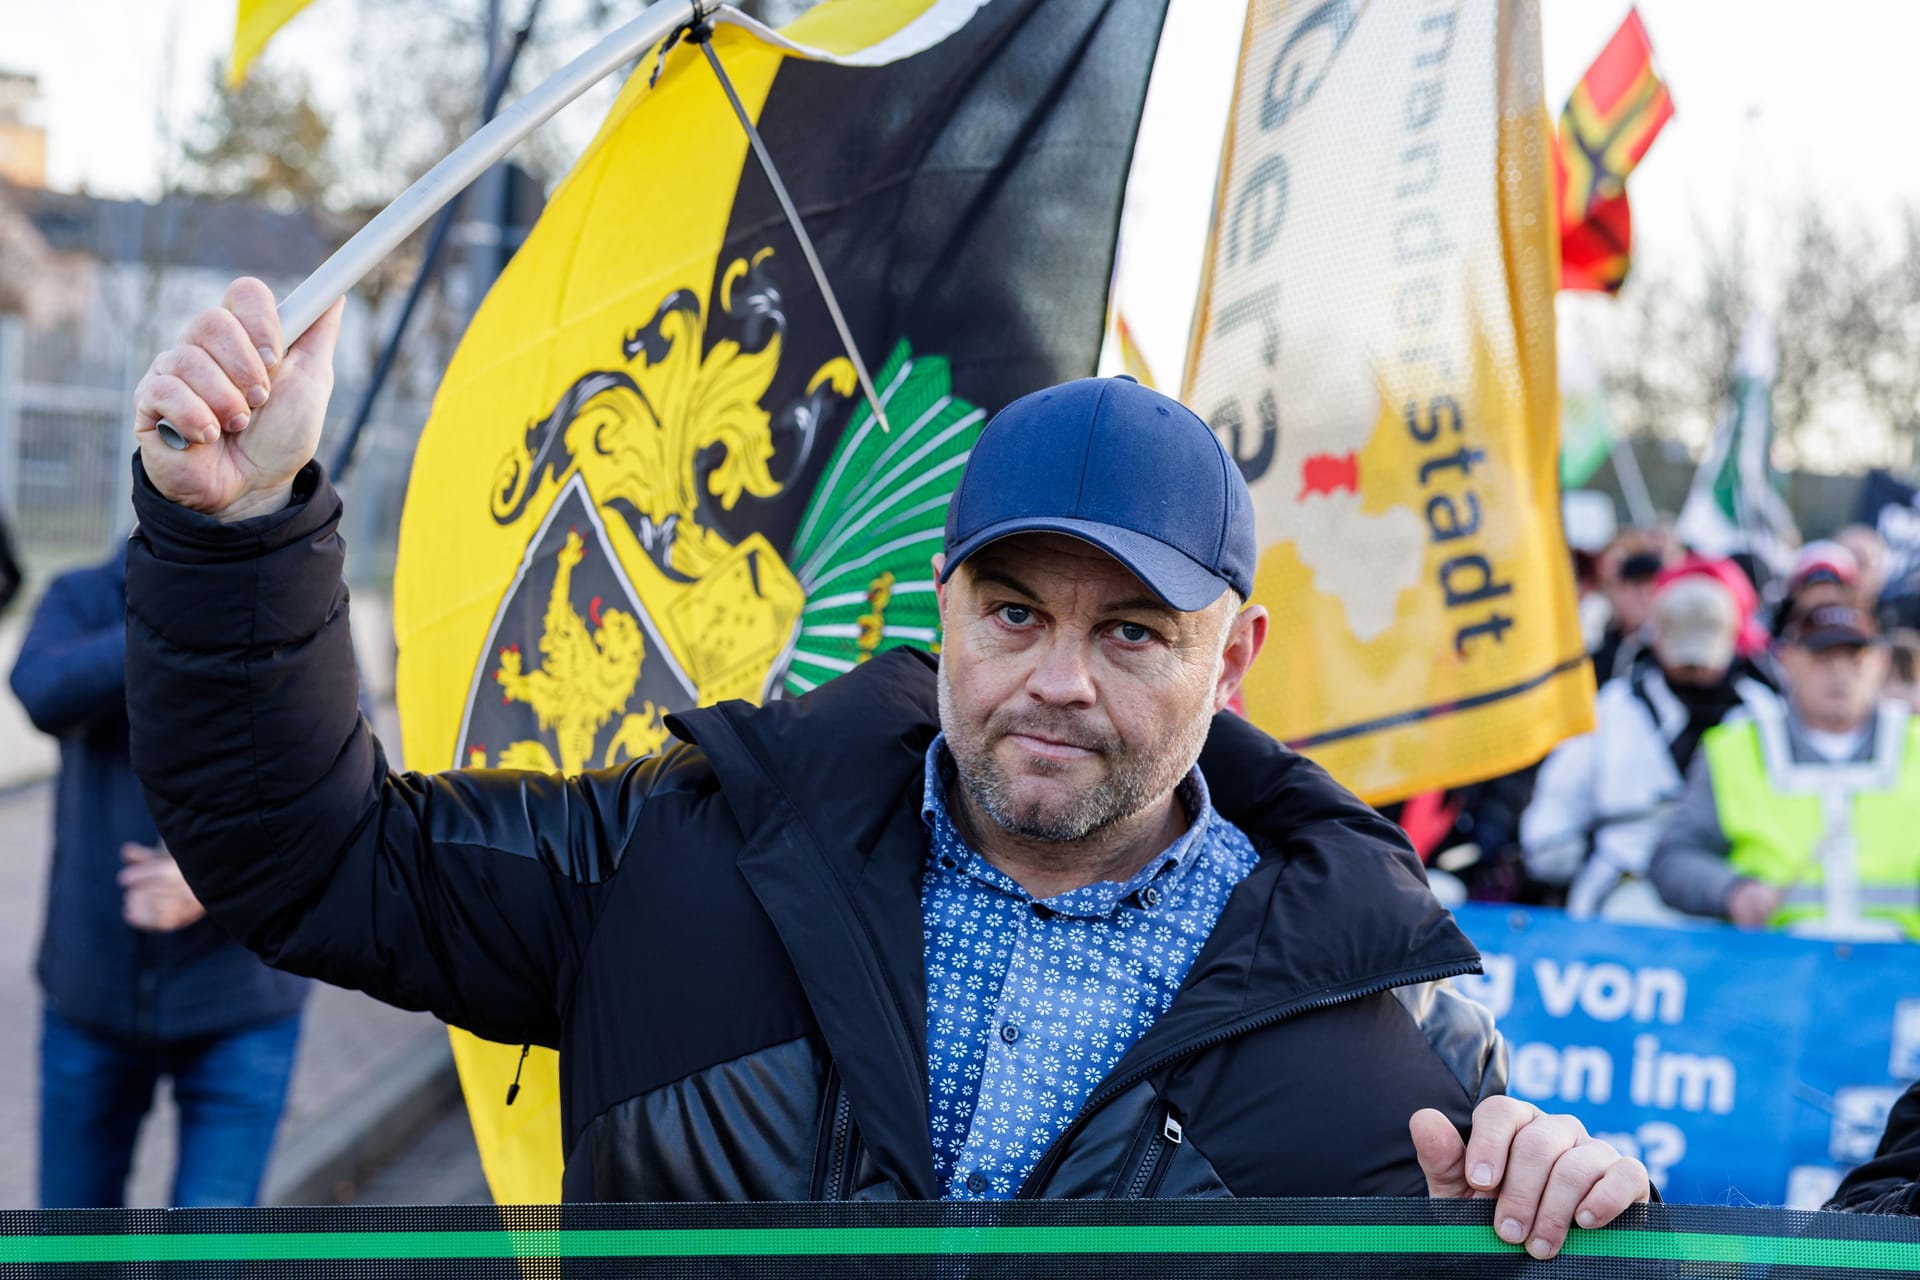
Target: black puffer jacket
724, 941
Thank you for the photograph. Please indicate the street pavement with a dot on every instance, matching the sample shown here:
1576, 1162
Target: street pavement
441, 1166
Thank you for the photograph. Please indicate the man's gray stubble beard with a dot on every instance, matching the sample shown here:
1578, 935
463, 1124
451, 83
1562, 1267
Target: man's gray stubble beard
1129, 787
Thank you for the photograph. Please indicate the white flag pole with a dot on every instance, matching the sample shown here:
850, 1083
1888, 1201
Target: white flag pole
440, 184
1633, 484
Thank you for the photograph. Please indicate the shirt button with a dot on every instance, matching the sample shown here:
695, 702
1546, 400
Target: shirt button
976, 1183
1009, 1033
1149, 897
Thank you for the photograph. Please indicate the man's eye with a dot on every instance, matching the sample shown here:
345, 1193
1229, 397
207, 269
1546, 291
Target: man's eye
1015, 615
1134, 633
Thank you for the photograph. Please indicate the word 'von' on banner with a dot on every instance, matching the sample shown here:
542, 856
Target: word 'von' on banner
1740, 1067
1375, 346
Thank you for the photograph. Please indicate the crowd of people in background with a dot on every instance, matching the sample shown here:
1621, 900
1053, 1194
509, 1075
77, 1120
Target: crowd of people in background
1754, 756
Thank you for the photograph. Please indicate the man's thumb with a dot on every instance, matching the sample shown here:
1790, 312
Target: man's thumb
314, 350
1442, 1153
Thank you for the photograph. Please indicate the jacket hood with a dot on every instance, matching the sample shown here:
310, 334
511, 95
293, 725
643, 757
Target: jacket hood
868, 731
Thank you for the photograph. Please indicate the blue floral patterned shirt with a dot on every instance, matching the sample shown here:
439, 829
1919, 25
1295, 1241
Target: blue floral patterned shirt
1031, 1002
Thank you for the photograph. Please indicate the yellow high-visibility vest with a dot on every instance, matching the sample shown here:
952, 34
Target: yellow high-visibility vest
1774, 815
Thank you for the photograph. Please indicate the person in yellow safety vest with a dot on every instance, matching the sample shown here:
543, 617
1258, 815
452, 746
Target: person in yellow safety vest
1806, 817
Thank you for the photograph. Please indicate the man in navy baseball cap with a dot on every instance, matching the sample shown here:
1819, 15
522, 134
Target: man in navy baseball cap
969, 933
1098, 553
1094, 606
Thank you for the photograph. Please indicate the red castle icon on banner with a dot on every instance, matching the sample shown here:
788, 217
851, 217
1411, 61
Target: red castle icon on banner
1329, 473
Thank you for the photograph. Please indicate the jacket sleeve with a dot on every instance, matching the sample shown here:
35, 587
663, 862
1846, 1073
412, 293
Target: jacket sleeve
70, 668
1689, 867
1890, 1182
468, 894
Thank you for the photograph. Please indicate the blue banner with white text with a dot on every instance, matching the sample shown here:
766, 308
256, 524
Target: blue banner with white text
1743, 1068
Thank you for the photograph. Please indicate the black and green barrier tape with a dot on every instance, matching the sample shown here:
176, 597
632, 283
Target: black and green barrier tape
1365, 1239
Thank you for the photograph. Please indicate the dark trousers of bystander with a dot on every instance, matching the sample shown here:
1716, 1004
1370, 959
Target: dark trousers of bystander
96, 1089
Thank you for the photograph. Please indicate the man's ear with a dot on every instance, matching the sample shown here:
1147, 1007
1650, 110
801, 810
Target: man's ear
1246, 637
939, 587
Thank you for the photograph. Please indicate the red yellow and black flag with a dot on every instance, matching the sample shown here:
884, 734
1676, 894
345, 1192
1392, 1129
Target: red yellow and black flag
1612, 117
650, 480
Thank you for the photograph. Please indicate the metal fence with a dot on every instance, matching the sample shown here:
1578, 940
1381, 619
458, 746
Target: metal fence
66, 438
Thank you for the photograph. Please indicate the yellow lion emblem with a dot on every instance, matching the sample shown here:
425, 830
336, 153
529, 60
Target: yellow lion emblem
590, 668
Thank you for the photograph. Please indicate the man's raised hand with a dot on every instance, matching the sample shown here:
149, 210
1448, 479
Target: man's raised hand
250, 409
1543, 1172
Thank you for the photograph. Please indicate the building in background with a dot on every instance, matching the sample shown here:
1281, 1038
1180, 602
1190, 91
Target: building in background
91, 288
23, 142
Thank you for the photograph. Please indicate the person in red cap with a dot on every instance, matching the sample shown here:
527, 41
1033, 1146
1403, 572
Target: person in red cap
1801, 816
1599, 798
1823, 572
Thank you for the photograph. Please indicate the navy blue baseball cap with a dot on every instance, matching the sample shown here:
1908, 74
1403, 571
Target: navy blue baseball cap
1115, 464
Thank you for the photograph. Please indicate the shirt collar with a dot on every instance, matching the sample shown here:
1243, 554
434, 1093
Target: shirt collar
1099, 899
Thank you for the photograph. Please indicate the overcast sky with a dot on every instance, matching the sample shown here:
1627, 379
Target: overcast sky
1776, 103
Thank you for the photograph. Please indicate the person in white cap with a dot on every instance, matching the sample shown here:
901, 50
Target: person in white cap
1599, 798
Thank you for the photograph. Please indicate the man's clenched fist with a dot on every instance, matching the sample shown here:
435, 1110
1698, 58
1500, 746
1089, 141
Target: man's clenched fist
250, 409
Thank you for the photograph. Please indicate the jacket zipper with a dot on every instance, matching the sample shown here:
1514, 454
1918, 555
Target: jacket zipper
837, 1162
1113, 1088
834, 1168
1152, 1171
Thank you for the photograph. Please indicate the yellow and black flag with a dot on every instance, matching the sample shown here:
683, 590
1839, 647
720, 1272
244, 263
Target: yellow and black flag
650, 480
